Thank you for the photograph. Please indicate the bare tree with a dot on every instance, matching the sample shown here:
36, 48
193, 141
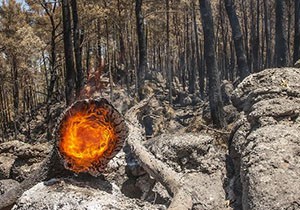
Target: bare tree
142, 47
281, 48
70, 71
215, 99
238, 39
77, 48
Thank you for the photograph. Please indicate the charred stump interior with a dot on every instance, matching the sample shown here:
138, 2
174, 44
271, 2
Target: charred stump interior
89, 134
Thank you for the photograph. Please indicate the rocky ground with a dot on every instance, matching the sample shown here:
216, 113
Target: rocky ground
253, 165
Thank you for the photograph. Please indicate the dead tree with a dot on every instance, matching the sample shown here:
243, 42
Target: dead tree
77, 42
142, 67
70, 71
281, 48
238, 39
215, 99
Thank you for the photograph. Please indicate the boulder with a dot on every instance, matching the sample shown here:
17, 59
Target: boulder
70, 194
265, 146
18, 159
6, 163
199, 160
7, 184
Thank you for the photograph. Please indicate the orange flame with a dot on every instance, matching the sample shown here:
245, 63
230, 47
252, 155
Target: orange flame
86, 136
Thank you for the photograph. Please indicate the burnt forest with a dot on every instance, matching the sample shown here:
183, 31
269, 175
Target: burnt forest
149, 104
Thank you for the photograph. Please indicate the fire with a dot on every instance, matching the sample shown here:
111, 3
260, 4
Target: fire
86, 137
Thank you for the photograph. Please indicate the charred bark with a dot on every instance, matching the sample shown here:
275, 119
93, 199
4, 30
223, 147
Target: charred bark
281, 46
78, 37
215, 99
238, 39
297, 31
267, 34
142, 45
70, 71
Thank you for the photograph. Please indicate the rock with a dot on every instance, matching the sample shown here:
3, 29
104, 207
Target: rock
231, 113
69, 194
18, 158
200, 162
269, 166
6, 163
187, 152
226, 91
270, 83
7, 184
265, 148
210, 189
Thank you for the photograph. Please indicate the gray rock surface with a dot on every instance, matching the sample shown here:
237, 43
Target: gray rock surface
69, 195
199, 160
6, 163
7, 184
18, 159
265, 149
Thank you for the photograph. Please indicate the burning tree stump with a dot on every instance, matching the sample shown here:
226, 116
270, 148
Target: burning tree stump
88, 135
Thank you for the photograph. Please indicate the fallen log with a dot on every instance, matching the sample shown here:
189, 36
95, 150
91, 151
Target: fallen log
156, 168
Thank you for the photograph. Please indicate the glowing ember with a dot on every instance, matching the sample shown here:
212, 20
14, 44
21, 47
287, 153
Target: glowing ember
88, 136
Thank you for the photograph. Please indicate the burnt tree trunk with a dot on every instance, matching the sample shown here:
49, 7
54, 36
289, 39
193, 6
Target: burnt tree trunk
267, 34
14, 72
200, 69
99, 47
168, 63
142, 67
255, 36
215, 99
238, 39
297, 31
70, 71
54, 27
281, 47
77, 48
